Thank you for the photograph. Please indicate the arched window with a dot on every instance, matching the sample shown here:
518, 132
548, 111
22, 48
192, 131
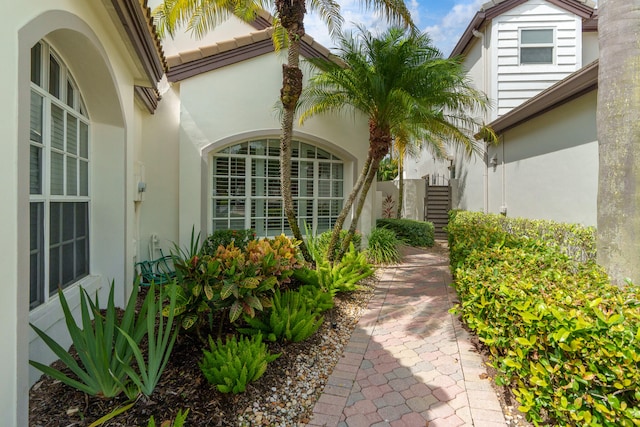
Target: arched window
59, 177
245, 191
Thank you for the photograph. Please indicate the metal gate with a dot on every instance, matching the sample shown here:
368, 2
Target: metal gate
437, 203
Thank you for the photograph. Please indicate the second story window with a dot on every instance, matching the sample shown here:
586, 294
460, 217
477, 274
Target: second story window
536, 46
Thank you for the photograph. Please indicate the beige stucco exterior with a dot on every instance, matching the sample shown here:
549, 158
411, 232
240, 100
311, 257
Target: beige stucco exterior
90, 41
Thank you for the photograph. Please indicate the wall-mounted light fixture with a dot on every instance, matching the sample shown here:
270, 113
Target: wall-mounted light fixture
494, 161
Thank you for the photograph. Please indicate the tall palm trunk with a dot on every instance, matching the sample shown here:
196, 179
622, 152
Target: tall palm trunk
373, 169
618, 234
291, 13
401, 144
379, 144
335, 235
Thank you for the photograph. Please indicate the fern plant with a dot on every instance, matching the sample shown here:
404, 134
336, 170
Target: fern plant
230, 366
316, 298
344, 276
291, 319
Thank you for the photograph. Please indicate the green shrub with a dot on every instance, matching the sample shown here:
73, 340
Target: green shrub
230, 366
306, 276
480, 229
315, 298
291, 319
383, 246
388, 169
413, 233
224, 238
233, 280
565, 339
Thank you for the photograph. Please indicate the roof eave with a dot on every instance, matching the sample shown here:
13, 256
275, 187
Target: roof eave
475, 24
228, 52
575, 85
137, 23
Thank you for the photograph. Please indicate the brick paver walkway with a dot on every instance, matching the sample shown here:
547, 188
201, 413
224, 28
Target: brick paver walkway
409, 361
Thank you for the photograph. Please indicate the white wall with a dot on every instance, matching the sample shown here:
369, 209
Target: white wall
590, 47
161, 159
85, 37
238, 102
548, 166
413, 203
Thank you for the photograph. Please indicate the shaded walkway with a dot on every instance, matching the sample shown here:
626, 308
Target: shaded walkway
409, 362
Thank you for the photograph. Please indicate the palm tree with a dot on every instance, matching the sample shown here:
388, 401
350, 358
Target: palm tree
202, 15
619, 139
406, 88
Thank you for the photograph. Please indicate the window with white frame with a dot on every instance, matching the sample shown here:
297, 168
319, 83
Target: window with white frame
536, 46
246, 187
59, 193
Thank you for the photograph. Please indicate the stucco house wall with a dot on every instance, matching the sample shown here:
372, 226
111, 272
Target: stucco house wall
217, 112
92, 42
223, 90
539, 175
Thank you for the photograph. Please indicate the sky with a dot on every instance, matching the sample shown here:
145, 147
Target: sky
443, 20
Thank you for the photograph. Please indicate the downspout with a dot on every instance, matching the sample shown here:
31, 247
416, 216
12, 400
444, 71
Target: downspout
485, 173
503, 207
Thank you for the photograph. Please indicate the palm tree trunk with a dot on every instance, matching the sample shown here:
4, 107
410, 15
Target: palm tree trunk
373, 169
291, 15
400, 185
337, 228
379, 144
618, 237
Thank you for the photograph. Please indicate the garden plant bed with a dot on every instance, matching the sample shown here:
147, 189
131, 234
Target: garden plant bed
284, 396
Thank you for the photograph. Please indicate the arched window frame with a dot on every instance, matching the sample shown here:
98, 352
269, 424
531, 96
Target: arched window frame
244, 187
59, 184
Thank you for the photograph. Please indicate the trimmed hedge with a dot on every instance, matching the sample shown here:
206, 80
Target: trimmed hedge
566, 340
575, 240
413, 233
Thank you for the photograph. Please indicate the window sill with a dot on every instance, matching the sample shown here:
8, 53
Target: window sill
48, 314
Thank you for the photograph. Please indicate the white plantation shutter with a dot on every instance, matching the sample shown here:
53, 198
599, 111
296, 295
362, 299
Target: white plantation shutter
245, 186
59, 168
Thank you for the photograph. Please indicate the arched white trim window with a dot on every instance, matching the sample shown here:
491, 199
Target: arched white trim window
59, 190
245, 187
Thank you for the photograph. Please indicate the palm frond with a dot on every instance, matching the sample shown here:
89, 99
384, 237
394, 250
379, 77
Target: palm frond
329, 12
395, 11
403, 83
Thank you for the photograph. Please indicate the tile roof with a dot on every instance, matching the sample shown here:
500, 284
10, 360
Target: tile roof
193, 62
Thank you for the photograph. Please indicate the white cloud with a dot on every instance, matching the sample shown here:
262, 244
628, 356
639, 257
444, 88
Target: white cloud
447, 32
354, 14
